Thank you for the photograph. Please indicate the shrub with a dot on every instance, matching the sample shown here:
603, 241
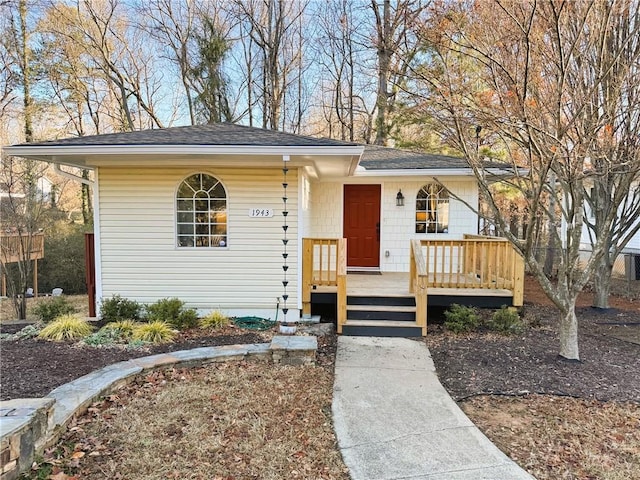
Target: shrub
53, 307
461, 319
66, 327
29, 331
171, 310
215, 319
102, 338
118, 308
153, 332
124, 328
506, 321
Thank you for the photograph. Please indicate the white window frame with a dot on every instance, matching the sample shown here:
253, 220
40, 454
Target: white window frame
201, 218
435, 211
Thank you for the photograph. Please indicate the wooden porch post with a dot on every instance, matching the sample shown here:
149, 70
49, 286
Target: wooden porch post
307, 269
518, 280
341, 277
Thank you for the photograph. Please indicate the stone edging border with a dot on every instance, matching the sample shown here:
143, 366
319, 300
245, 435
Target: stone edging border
29, 425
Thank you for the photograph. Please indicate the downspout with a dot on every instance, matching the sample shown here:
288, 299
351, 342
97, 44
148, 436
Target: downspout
71, 176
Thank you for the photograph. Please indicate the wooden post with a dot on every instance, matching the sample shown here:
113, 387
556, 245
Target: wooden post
307, 271
420, 286
518, 280
3, 289
35, 278
341, 276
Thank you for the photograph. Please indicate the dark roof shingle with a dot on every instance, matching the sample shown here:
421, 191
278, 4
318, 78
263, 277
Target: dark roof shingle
215, 134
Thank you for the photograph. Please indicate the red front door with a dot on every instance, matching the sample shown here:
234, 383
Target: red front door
361, 225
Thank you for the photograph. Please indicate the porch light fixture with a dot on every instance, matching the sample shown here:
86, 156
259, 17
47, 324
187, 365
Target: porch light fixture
399, 199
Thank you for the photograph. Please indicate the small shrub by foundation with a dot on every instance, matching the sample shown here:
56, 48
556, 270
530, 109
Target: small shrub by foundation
215, 319
154, 332
119, 308
506, 321
123, 328
66, 327
461, 319
171, 310
53, 307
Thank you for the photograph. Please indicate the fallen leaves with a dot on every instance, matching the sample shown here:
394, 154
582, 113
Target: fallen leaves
561, 437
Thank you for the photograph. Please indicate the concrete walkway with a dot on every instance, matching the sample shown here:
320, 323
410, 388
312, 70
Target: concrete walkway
394, 420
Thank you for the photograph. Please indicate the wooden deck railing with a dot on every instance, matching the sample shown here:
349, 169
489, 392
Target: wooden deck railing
474, 262
13, 247
418, 283
324, 263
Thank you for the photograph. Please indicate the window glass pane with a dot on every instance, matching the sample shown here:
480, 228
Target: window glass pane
218, 192
185, 191
202, 217
202, 241
185, 217
194, 182
201, 194
202, 229
218, 205
185, 229
202, 205
185, 205
219, 228
421, 228
421, 204
185, 241
208, 182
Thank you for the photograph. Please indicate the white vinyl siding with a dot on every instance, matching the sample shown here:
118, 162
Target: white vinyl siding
397, 223
140, 259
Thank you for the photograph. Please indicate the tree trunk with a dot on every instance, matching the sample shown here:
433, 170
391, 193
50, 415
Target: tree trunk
569, 333
602, 282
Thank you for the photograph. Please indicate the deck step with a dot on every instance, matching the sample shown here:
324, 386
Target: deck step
380, 313
381, 328
385, 300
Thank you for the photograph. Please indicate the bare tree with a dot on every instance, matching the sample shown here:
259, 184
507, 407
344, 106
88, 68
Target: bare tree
396, 48
270, 25
611, 121
520, 71
172, 24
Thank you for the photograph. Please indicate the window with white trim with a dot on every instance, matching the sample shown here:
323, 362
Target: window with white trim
432, 209
201, 212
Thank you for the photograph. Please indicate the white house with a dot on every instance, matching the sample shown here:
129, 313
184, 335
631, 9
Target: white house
197, 212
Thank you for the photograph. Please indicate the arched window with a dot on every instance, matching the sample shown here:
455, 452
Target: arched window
432, 209
201, 205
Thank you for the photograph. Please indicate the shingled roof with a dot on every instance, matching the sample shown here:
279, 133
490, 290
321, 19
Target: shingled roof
384, 158
228, 134
215, 134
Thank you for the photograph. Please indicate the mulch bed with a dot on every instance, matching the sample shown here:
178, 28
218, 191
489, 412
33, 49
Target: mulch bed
488, 363
468, 365
34, 367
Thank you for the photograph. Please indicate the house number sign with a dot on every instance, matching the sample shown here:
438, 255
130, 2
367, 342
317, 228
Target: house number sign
260, 212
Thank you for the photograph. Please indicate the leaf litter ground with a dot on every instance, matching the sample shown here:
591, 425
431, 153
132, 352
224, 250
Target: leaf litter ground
585, 425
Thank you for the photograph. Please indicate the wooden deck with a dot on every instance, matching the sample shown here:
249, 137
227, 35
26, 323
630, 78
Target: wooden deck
475, 270
397, 284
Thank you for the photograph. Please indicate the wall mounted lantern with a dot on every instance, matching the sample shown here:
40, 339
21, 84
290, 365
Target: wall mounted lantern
399, 199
